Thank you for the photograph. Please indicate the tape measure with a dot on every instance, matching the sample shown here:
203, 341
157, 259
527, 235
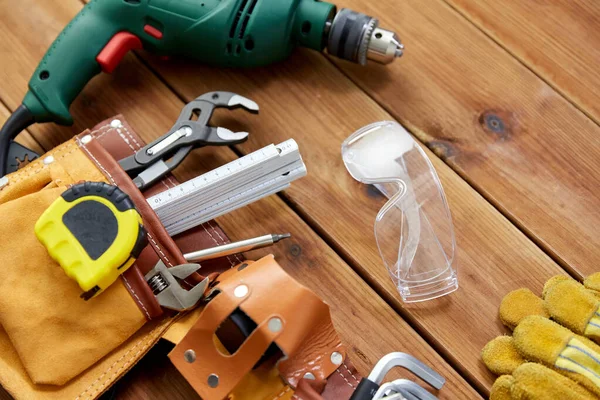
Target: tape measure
94, 232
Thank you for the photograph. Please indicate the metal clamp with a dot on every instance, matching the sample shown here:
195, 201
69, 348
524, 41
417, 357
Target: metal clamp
168, 291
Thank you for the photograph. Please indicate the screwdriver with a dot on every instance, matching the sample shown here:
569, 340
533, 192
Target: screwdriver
237, 247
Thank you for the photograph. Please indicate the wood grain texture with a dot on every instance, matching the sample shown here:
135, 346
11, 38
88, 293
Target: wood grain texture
307, 99
509, 134
557, 39
359, 313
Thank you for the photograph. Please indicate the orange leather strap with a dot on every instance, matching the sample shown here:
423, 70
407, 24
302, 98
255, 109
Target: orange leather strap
339, 386
285, 312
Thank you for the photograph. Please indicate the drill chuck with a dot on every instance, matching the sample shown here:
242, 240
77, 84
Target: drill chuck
357, 37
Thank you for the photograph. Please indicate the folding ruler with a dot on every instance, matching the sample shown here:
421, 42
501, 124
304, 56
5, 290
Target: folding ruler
227, 188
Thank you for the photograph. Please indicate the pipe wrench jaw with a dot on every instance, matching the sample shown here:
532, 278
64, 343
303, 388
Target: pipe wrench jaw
205, 105
160, 157
229, 100
168, 291
223, 136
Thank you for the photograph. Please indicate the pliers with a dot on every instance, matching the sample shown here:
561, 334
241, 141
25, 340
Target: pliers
160, 157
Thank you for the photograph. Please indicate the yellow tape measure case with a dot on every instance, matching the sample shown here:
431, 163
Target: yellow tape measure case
94, 232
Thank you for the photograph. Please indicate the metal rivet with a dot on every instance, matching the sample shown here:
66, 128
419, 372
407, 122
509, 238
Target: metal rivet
275, 325
310, 376
240, 291
3, 182
86, 139
116, 123
213, 380
48, 160
337, 358
189, 356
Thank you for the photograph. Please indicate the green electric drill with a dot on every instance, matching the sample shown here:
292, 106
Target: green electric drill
232, 33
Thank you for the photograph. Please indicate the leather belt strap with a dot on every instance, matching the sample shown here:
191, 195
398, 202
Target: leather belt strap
339, 386
113, 140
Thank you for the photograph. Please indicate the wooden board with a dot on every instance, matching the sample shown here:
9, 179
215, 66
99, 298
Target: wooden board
502, 128
557, 39
358, 311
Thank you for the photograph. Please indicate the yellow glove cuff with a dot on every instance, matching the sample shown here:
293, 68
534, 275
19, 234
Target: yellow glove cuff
539, 339
575, 307
592, 283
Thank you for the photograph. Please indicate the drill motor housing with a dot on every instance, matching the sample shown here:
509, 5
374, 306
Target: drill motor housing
223, 33
227, 33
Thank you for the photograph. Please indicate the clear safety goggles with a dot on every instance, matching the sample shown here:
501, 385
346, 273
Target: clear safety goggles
414, 229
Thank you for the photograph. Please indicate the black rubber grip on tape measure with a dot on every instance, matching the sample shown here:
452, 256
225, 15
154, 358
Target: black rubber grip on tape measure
141, 243
93, 223
112, 193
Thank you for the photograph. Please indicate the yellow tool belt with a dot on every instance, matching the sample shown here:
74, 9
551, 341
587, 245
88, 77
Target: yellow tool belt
54, 345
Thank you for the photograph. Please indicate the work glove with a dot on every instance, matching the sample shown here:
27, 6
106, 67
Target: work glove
553, 352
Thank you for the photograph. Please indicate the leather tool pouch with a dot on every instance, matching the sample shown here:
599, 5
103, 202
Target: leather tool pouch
50, 336
54, 345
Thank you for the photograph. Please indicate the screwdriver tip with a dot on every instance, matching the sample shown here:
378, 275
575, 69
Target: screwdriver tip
277, 238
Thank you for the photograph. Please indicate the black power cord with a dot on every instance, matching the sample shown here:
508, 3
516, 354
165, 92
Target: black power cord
10, 152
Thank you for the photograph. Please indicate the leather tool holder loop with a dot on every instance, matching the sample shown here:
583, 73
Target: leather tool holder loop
112, 140
285, 312
105, 145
